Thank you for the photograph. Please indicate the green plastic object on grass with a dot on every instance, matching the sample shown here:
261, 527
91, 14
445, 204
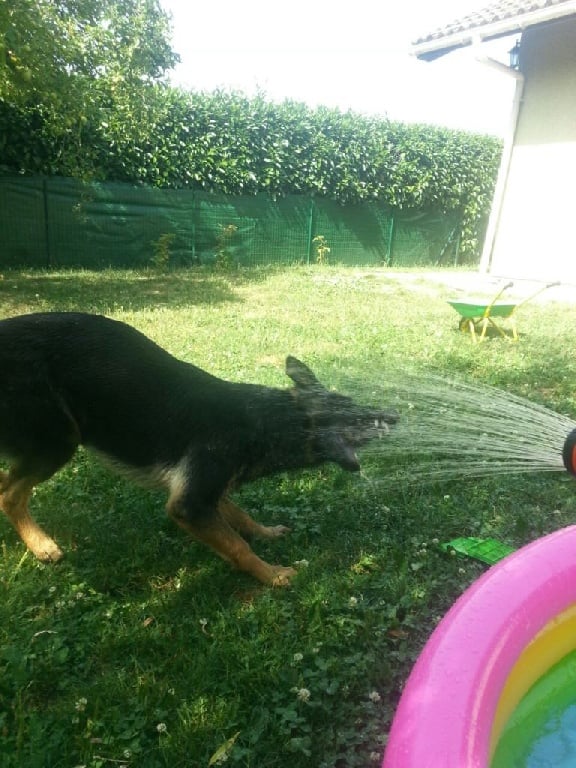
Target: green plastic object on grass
487, 551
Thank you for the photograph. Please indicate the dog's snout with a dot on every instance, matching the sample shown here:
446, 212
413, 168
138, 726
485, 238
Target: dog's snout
382, 427
383, 421
386, 418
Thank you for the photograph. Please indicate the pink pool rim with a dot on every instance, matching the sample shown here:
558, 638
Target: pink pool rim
446, 713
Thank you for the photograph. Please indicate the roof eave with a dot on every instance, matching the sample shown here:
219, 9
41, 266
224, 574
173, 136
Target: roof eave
431, 49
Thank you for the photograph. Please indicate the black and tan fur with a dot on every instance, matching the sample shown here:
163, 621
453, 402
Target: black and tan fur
70, 379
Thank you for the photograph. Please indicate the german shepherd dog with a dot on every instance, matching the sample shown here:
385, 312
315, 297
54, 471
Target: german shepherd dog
70, 379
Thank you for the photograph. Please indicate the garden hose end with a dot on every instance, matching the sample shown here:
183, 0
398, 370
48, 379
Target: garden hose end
569, 452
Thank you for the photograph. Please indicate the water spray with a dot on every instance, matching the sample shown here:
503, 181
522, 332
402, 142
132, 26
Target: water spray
569, 452
451, 429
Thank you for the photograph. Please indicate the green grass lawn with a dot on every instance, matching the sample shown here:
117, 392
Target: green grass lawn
142, 648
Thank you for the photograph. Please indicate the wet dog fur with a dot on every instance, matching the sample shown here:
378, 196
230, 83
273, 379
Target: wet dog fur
70, 379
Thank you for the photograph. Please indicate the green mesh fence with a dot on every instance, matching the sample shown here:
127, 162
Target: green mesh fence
65, 223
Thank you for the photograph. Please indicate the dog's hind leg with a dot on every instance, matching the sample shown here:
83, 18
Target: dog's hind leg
40, 438
15, 490
14, 503
244, 524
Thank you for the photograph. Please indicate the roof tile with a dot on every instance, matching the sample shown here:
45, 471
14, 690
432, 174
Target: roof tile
496, 11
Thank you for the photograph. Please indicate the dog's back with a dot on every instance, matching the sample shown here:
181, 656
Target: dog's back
105, 385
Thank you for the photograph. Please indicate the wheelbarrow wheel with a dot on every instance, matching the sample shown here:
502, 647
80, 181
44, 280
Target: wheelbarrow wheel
465, 324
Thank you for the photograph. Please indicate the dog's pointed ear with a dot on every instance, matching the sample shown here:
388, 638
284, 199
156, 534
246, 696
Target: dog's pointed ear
300, 374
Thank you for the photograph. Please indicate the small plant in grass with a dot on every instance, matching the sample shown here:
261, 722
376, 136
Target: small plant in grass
224, 239
322, 249
161, 251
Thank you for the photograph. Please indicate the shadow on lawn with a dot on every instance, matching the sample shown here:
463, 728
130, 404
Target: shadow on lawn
118, 289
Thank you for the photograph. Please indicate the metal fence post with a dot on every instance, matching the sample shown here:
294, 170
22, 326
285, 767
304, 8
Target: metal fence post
391, 234
193, 226
46, 223
457, 249
310, 229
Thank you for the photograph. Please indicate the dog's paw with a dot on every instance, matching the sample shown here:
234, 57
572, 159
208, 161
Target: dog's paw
274, 531
47, 551
282, 576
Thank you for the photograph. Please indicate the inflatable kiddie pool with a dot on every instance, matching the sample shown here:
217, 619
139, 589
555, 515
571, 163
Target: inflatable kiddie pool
500, 665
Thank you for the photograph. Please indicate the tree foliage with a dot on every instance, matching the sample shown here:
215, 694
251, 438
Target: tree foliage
49, 48
81, 94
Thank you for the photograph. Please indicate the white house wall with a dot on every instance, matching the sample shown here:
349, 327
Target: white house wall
536, 230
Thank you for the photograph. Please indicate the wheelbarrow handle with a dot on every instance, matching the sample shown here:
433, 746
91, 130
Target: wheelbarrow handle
495, 299
538, 292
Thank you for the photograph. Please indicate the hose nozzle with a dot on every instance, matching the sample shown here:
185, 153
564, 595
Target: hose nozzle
569, 453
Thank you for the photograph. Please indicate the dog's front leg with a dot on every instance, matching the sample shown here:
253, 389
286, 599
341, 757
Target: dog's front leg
214, 531
244, 524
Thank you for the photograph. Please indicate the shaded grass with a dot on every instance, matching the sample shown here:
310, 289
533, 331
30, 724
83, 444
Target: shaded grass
143, 649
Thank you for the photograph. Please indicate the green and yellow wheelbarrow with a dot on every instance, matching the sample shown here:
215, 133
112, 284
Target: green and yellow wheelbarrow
476, 317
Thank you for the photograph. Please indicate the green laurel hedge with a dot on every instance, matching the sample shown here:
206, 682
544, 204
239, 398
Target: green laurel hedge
235, 144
